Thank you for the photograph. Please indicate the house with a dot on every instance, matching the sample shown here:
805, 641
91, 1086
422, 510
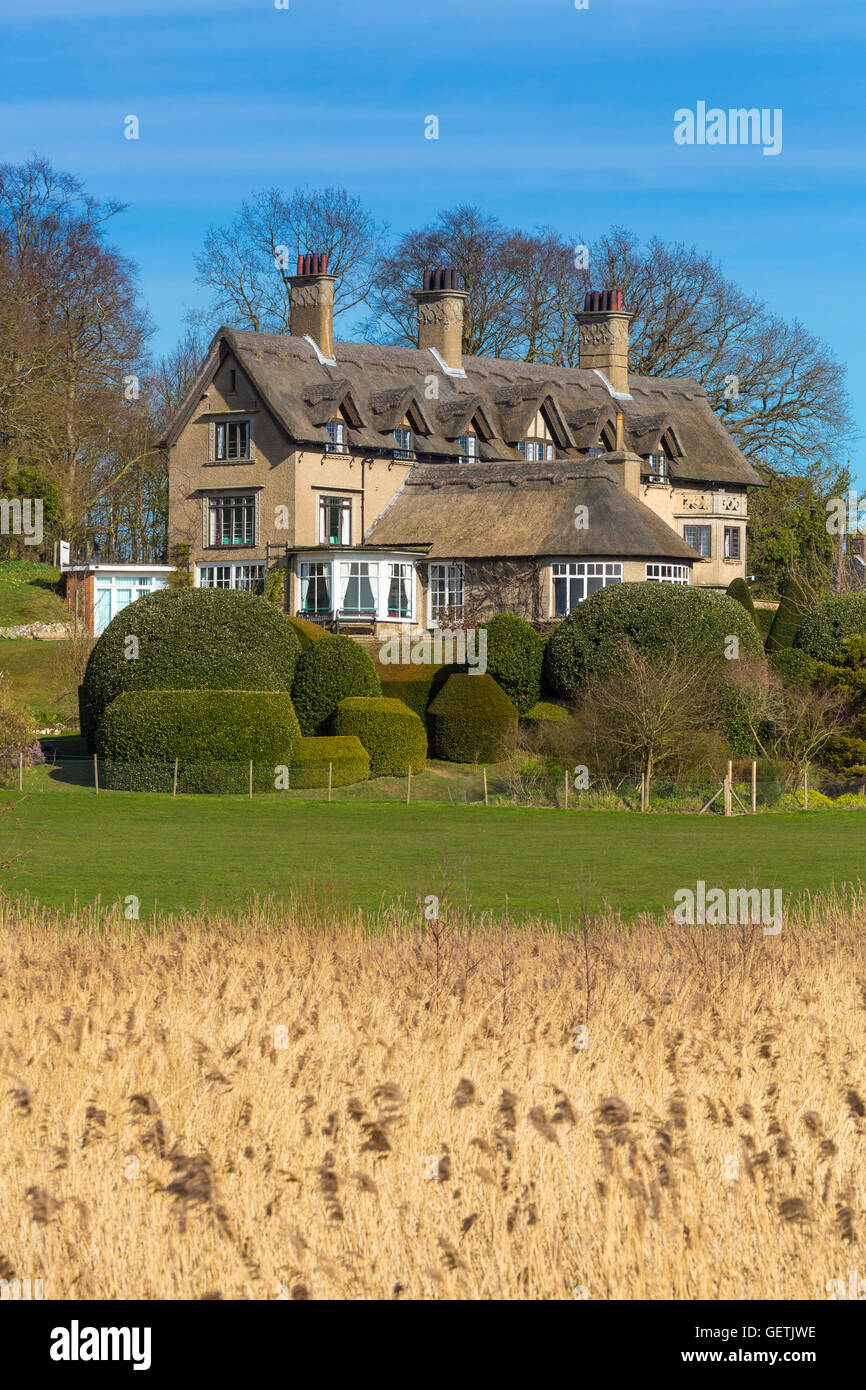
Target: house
418, 486
96, 593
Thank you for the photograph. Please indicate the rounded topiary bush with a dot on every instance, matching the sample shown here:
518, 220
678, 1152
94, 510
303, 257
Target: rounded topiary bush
654, 617
347, 759
306, 632
826, 625
787, 618
189, 639
392, 733
471, 720
739, 590
213, 734
328, 672
515, 655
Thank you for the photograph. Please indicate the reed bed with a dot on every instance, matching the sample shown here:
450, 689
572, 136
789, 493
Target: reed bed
287, 1104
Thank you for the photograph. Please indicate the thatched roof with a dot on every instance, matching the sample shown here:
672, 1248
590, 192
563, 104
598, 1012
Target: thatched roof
484, 510
496, 398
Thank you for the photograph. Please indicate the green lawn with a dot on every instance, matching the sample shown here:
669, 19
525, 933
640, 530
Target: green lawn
221, 851
39, 678
27, 594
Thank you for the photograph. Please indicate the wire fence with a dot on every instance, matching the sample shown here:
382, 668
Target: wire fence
521, 784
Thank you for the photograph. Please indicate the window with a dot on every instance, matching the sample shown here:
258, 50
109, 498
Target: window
468, 448
658, 468
535, 450
732, 543
698, 537
668, 574
359, 583
231, 440
250, 577
315, 587
403, 438
446, 593
572, 582
336, 437
400, 591
335, 520
595, 451
232, 519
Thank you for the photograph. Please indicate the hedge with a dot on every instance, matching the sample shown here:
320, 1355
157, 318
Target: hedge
515, 655
794, 665
544, 712
655, 617
419, 688
738, 589
328, 672
214, 735
348, 759
392, 734
470, 720
826, 625
189, 639
306, 632
789, 615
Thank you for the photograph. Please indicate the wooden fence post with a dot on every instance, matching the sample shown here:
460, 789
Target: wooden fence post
754, 786
806, 788
409, 787
330, 770
95, 775
251, 779
20, 772
643, 795
174, 784
728, 807
484, 771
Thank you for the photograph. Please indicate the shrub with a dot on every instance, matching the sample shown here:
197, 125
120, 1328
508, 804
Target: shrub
764, 620
189, 639
515, 655
17, 733
789, 615
392, 734
794, 665
327, 673
826, 625
348, 759
653, 617
545, 712
738, 589
275, 587
306, 632
214, 734
419, 688
471, 720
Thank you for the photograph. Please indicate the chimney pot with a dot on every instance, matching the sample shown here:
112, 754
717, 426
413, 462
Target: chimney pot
440, 314
300, 269
312, 301
604, 337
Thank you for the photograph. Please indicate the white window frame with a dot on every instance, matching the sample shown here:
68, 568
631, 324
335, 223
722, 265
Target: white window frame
658, 468
403, 571
699, 526
239, 575
404, 442
536, 450
446, 577
609, 571
727, 550
666, 573
225, 425
347, 573
469, 448
306, 577
336, 437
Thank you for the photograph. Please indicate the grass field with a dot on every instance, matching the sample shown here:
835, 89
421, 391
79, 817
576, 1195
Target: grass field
27, 594
41, 681
280, 1107
221, 852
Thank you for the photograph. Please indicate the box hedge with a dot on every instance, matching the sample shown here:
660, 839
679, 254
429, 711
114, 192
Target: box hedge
306, 632
825, 626
392, 734
348, 759
214, 735
188, 639
787, 617
654, 617
328, 672
515, 656
739, 589
471, 719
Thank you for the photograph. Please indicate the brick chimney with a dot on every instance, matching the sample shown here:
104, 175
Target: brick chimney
604, 336
312, 303
440, 316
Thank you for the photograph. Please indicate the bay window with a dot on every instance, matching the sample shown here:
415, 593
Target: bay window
698, 537
359, 587
400, 585
668, 574
574, 580
732, 543
315, 577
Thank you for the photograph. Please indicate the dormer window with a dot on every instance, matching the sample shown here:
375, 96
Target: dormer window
336, 437
595, 451
468, 448
403, 440
658, 468
535, 450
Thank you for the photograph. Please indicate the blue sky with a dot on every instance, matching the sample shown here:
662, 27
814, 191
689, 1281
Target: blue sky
548, 114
